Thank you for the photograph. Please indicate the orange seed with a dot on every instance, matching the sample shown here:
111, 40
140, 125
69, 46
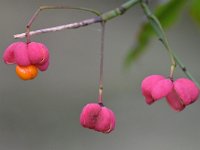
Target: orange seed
27, 72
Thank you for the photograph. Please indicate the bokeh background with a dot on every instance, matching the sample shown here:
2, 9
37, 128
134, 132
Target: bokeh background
43, 114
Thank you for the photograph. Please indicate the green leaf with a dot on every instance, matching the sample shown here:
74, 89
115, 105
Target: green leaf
142, 42
195, 10
167, 14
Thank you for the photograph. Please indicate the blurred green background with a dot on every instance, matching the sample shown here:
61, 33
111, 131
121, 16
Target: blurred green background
43, 114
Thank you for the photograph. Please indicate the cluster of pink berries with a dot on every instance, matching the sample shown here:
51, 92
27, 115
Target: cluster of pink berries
32, 56
97, 117
179, 93
28, 57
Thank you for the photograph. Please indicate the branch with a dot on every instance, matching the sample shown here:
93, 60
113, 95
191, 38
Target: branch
184, 69
61, 27
102, 18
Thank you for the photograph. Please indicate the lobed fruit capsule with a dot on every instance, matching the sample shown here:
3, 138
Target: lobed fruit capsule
97, 117
26, 72
33, 55
179, 93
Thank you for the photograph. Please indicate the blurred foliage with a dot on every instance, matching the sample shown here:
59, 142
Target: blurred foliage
167, 13
195, 10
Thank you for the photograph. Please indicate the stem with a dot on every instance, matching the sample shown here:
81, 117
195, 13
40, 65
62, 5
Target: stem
28, 35
102, 18
52, 7
161, 34
100, 97
58, 7
184, 69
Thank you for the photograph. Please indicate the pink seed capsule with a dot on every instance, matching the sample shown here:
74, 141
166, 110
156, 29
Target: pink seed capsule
184, 93
98, 118
24, 54
148, 84
161, 89
178, 94
17, 53
38, 53
8, 55
174, 101
106, 121
89, 115
44, 66
187, 90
